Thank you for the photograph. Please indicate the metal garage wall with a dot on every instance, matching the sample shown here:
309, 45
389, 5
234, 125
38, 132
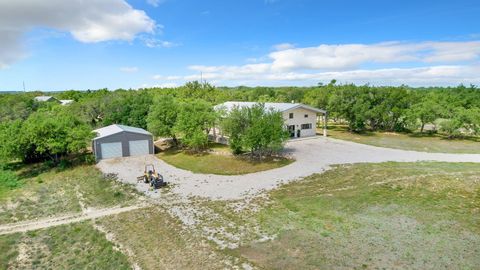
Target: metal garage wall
123, 137
140, 147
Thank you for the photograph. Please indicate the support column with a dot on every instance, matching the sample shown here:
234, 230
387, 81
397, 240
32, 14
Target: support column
325, 119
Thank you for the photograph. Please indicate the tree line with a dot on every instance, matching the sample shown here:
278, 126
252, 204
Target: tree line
32, 130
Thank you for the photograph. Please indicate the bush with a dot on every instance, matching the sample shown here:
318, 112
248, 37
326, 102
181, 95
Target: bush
9, 179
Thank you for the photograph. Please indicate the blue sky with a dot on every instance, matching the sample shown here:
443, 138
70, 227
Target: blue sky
61, 45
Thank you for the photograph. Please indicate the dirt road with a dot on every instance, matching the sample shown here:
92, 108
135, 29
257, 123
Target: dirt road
65, 219
314, 155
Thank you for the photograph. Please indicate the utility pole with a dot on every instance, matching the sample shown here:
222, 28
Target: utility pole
24, 87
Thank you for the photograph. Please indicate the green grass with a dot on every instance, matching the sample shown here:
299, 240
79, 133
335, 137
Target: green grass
8, 181
220, 163
74, 246
389, 215
45, 192
414, 141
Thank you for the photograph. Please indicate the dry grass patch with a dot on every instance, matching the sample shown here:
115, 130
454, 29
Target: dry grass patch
159, 242
415, 141
54, 192
73, 246
381, 216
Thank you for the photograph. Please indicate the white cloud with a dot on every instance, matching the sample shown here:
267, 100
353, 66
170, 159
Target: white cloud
167, 85
155, 3
283, 46
11, 49
169, 78
129, 69
245, 69
347, 56
162, 85
424, 63
422, 76
157, 43
88, 21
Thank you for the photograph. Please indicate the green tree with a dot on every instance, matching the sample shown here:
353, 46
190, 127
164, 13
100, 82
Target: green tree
194, 121
235, 124
451, 127
127, 108
427, 111
260, 131
10, 141
352, 104
44, 135
162, 117
198, 90
16, 106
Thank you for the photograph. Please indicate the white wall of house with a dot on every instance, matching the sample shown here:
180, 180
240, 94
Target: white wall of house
303, 120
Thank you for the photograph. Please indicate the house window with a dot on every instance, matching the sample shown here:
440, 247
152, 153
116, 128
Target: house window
306, 126
306, 115
290, 116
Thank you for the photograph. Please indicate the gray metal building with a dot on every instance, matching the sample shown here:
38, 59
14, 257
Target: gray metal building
121, 141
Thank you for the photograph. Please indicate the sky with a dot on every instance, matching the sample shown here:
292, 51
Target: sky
91, 44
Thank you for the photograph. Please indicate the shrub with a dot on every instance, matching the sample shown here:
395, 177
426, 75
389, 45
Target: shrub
9, 179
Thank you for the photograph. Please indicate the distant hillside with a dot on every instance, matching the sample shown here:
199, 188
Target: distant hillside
11, 92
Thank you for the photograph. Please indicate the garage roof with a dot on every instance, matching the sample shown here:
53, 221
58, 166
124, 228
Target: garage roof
44, 98
281, 107
114, 129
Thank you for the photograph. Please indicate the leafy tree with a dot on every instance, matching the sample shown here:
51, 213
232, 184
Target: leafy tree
464, 122
318, 97
44, 135
260, 131
266, 133
451, 127
352, 106
10, 147
18, 106
127, 108
194, 121
198, 90
427, 111
162, 117
235, 124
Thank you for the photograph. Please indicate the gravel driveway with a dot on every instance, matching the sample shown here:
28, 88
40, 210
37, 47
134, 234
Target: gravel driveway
313, 155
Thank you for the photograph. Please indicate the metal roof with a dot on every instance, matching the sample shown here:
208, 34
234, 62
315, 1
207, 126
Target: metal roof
66, 101
44, 98
281, 107
114, 129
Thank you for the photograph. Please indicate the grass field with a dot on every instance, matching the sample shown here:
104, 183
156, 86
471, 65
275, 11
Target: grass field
363, 216
158, 241
219, 162
414, 141
46, 192
73, 246
389, 215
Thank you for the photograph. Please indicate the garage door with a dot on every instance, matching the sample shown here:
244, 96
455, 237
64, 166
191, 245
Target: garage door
111, 150
138, 148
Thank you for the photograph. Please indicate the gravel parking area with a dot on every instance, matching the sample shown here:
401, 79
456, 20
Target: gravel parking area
313, 155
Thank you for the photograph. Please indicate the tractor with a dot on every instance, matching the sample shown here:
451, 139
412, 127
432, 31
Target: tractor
152, 177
